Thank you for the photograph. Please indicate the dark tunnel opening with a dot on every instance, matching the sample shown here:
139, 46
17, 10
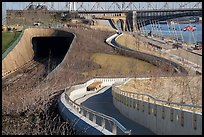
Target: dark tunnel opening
50, 51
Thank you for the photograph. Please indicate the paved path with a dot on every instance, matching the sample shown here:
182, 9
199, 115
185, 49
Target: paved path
197, 59
83, 97
188, 56
199, 52
103, 102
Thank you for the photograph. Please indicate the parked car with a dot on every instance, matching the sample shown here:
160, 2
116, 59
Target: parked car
198, 47
36, 24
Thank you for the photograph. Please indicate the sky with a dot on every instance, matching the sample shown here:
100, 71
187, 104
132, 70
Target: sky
89, 5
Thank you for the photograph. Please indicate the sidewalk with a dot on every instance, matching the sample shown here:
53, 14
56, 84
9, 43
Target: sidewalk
102, 102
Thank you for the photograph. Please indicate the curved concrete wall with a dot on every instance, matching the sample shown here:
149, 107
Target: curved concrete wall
70, 112
21, 53
81, 88
161, 119
82, 124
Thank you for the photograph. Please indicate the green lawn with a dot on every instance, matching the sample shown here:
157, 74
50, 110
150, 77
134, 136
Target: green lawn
8, 38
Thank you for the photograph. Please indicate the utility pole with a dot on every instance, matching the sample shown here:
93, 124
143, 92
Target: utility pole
182, 39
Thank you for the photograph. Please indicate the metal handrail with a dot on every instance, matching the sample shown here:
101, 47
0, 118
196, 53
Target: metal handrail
158, 100
96, 77
101, 115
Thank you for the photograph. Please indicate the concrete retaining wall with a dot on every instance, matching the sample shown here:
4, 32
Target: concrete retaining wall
22, 52
68, 112
162, 120
76, 90
80, 123
107, 81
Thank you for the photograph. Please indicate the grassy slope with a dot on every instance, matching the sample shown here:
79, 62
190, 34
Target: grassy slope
8, 38
131, 42
175, 89
117, 64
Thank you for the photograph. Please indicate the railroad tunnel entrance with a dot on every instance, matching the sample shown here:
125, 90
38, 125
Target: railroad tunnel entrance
50, 50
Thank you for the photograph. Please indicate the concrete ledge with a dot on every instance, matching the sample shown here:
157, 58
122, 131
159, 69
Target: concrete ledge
80, 123
161, 119
83, 124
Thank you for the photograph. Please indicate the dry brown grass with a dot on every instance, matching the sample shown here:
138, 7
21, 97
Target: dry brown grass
117, 64
32, 94
187, 90
135, 43
32, 117
132, 43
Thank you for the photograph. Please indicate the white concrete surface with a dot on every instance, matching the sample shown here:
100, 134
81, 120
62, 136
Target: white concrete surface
167, 121
87, 95
89, 126
78, 91
103, 23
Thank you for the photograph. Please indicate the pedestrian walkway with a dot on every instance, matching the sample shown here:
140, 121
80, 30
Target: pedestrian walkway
102, 102
82, 97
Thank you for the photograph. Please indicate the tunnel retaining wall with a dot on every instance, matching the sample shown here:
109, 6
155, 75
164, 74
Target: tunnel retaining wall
21, 52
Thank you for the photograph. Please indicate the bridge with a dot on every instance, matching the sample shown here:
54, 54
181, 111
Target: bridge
160, 15
129, 14
144, 17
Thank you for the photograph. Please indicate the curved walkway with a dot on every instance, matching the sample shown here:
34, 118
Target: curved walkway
103, 103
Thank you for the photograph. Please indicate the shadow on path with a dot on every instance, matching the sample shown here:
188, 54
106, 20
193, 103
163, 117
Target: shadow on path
103, 103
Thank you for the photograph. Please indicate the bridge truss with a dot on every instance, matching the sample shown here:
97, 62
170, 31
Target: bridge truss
110, 6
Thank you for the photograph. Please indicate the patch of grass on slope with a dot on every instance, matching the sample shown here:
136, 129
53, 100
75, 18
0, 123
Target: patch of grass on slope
116, 64
8, 38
